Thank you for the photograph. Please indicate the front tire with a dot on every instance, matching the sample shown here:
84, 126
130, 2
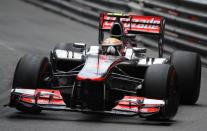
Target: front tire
160, 83
188, 68
29, 74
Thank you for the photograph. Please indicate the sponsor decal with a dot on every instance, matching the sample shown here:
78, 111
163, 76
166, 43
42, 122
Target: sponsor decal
150, 24
139, 104
42, 96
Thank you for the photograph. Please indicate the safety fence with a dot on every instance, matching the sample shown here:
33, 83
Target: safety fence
186, 20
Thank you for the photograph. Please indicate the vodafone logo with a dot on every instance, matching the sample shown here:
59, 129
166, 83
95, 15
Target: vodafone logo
141, 26
137, 22
142, 20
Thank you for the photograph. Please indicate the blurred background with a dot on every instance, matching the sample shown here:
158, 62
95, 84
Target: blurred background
36, 26
186, 27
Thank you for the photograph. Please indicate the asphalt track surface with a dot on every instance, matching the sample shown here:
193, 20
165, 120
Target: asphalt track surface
28, 29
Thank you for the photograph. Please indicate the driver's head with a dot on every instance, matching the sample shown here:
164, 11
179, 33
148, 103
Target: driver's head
112, 46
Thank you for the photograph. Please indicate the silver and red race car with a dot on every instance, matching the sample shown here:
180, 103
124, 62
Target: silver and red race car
114, 77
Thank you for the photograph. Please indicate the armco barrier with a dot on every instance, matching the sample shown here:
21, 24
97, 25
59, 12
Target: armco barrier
185, 29
177, 23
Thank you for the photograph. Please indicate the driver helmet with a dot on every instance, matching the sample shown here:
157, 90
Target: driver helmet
112, 46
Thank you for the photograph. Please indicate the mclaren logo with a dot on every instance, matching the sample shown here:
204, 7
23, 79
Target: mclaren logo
141, 26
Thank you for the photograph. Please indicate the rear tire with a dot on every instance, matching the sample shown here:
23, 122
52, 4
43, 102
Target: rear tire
160, 83
66, 46
188, 68
29, 74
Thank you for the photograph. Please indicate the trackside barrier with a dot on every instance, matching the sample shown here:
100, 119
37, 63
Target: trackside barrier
186, 27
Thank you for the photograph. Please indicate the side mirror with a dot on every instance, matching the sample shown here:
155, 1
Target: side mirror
139, 50
131, 36
79, 45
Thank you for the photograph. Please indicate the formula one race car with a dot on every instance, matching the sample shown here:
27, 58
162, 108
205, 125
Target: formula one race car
114, 77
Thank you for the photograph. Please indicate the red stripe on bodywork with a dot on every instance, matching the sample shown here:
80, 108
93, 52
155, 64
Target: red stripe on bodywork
96, 68
81, 78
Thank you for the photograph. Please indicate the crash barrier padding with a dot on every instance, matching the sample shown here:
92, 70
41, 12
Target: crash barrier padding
186, 26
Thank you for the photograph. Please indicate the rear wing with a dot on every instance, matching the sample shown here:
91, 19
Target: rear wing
134, 24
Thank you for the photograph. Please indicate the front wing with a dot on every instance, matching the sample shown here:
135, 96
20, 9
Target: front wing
47, 99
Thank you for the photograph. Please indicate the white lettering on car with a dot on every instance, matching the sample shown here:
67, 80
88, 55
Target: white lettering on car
139, 23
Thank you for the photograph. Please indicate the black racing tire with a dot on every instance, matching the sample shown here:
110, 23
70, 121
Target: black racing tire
160, 83
27, 110
29, 74
66, 46
188, 68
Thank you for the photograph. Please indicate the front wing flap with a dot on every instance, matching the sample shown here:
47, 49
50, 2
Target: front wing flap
47, 99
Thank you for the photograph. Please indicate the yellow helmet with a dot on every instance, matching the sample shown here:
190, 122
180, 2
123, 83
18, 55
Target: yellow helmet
112, 46
112, 42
